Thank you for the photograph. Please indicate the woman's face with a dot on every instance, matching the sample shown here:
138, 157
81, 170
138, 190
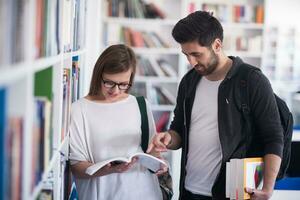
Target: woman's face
114, 86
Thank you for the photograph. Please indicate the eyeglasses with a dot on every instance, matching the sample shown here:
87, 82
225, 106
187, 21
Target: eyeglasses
111, 84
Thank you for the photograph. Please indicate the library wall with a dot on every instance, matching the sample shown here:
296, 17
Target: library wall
42, 58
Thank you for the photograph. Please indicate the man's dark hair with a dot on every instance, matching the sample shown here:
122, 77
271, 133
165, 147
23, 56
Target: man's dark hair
198, 26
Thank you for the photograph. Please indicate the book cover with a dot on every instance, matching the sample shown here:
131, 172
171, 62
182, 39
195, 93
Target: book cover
3, 118
43, 83
253, 174
146, 160
241, 174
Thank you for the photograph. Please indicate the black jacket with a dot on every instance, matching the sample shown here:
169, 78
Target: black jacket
234, 142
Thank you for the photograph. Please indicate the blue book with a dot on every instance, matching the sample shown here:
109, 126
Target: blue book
2, 138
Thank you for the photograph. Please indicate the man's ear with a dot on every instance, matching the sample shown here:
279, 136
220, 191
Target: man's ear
217, 45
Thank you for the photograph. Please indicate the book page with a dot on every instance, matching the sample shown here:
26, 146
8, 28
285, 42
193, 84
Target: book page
146, 160
94, 168
149, 161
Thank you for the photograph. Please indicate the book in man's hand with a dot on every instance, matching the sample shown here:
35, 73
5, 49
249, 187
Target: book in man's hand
241, 174
146, 160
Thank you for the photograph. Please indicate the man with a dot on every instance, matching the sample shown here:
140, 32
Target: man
208, 123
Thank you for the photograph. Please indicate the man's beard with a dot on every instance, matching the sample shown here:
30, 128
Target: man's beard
210, 68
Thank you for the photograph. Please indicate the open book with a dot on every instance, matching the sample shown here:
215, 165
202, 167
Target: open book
147, 160
242, 173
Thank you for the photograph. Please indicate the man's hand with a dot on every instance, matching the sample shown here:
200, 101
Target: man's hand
259, 194
160, 142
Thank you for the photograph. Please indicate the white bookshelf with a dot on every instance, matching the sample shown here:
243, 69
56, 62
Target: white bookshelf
17, 78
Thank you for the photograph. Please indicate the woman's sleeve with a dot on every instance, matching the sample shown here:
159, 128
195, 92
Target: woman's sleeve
77, 136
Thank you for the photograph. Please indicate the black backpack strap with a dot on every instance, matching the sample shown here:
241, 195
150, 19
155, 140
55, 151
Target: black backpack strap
243, 87
244, 72
144, 122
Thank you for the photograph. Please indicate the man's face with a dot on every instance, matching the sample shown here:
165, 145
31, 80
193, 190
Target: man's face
203, 59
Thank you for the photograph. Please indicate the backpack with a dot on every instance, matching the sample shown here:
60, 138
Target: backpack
165, 180
286, 117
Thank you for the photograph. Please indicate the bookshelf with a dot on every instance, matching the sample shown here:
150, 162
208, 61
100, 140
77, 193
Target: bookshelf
129, 22
243, 23
42, 64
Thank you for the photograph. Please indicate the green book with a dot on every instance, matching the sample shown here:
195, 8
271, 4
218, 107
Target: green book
43, 83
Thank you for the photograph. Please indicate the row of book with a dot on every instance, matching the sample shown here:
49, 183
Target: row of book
243, 43
42, 134
12, 38
71, 89
242, 174
232, 13
282, 57
150, 66
161, 96
162, 121
73, 24
50, 28
133, 37
134, 9
158, 95
42, 140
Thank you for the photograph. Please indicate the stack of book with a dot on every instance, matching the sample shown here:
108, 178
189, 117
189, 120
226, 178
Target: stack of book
242, 174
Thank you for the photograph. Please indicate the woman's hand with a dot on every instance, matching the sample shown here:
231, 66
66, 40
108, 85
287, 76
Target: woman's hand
163, 168
115, 167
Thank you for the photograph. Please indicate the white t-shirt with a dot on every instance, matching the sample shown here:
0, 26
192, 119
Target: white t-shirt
99, 131
205, 154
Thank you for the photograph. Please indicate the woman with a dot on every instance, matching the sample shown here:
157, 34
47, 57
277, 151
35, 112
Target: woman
105, 124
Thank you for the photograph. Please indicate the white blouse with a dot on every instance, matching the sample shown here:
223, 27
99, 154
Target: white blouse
100, 131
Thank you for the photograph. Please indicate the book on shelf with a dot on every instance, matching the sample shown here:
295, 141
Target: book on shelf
241, 174
144, 67
134, 9
14, 161
146, 160
156, 67
167, 68
164, 96
66, 103
162, 122
75, 78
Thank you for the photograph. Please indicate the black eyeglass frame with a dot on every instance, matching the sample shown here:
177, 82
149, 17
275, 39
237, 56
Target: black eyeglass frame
111, 84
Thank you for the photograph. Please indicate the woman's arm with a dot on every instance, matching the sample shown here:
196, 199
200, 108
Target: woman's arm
79, 169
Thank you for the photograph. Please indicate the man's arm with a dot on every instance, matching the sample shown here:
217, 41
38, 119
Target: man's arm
271, 167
